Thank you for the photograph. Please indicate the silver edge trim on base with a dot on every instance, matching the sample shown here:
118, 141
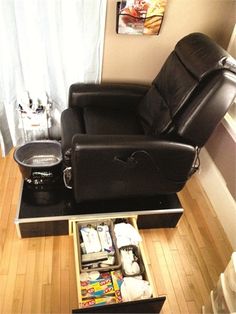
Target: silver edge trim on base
100, 215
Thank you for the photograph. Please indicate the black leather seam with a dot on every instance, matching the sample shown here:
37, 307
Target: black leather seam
170, 123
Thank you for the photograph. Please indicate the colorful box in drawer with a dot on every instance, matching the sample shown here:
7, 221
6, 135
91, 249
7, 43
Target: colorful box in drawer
97, 288
102, 291
117, 280
98, 301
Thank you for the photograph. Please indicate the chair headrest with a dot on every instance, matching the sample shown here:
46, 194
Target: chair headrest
201, 55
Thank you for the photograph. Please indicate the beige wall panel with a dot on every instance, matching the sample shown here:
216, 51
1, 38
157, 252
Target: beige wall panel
135, 58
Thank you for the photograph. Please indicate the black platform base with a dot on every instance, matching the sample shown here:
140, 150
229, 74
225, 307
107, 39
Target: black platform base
46, 211
168, 220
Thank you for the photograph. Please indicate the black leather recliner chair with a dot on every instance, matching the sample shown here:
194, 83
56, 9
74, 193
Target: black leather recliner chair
124, 140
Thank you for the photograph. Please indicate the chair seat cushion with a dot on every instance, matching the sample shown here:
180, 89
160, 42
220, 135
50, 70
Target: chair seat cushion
99, 120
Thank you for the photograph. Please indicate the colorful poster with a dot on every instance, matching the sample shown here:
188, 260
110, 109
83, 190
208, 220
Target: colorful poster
140, 17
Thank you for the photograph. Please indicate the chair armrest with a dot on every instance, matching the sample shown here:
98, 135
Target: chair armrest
106, 166
71, 124
115, 95
174, 158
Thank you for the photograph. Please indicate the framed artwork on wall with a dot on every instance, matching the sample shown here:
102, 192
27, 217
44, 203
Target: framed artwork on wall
140, 17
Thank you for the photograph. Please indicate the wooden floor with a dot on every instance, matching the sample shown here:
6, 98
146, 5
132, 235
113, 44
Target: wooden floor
37, 275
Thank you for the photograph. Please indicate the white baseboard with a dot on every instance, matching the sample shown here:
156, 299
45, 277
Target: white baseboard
219, 196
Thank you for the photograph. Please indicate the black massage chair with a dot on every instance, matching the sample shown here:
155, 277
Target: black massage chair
125, 140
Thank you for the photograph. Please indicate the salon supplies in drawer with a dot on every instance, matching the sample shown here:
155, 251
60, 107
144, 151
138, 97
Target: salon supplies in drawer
105, 238
131, 261
117, 280
98, 301
97, 249
133, 289
99, 288
126, 234
128, 239
127, 293
94, 257
90, 239
96, 287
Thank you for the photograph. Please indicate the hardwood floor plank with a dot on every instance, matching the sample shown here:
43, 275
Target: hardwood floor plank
38, 275
8, 236
18, 294
4, 176
11, 272
56, 277
190, 203
170, 236
173, 271
64, 253
29, 278
72, 276
155, 266
48, 261
22, 262
65, 291
213, 266
46, 298
182, 276
192, 307
65, 276
3, 283
193, 253
170, 292
194, 256
16, 193
183, 252
145, 235
7, 201
193, 287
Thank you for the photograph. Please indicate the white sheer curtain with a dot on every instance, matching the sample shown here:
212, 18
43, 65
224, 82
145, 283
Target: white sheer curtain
46, 45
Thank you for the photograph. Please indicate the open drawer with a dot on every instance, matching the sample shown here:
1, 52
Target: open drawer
149, 305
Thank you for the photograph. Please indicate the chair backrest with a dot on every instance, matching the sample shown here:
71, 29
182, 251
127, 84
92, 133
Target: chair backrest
192, 92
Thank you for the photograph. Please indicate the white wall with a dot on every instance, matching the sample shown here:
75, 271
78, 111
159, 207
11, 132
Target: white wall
219, 195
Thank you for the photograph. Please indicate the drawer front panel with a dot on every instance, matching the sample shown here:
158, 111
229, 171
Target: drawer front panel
152, 306
43, 228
